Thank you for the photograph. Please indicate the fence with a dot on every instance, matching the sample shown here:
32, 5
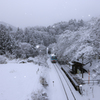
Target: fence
92, 81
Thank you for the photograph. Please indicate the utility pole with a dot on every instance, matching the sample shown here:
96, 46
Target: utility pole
82, 64
82, 67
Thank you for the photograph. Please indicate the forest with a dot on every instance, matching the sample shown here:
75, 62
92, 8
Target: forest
22, 43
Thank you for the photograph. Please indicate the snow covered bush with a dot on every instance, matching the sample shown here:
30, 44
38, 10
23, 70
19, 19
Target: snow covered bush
39, 95
10, 56
43, 81
3, 60
41, 49
23, 61
41, 60
30, 59
25, 50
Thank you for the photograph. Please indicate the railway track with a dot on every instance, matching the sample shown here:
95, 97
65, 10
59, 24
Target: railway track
67, 89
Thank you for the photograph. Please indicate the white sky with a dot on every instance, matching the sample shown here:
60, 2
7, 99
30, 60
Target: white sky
22, 13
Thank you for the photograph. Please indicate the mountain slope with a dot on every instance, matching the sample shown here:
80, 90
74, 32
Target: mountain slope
85, 42
8, 25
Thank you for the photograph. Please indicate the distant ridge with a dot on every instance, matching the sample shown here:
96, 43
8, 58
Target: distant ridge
8, 25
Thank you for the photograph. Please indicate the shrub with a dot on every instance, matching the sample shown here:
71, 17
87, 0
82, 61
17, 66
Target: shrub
3, 60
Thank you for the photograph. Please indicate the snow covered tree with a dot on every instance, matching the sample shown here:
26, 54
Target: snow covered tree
6, 42
18, 35
25, 50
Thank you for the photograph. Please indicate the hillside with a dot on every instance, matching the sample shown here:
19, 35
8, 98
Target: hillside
8, 25
81, 44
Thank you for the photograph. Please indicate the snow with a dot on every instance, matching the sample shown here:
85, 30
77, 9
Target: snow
55, 90
37, 46
83, 49
18, 81
53, 55
91, 92
21, 81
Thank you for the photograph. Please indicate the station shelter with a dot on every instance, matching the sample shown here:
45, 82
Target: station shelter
77, 67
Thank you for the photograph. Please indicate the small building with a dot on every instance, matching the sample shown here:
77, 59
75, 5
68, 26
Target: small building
77, 66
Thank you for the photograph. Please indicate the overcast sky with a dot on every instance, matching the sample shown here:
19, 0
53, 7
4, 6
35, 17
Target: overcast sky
22, 13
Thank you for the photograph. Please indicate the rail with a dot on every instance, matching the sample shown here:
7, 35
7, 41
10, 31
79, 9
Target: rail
61, 74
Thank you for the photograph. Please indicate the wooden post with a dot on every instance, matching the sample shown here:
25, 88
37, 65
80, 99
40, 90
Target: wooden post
82, 63
88, 77
82, 71
82, 67
53, 83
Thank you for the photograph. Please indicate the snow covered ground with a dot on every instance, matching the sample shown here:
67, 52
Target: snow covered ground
22, 81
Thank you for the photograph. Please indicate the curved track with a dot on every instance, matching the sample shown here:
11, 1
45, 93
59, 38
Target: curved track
67, 89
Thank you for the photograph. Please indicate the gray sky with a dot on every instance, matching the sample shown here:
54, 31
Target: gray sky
22, 13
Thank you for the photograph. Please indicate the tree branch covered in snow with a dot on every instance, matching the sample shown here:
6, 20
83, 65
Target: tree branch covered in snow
71, 45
